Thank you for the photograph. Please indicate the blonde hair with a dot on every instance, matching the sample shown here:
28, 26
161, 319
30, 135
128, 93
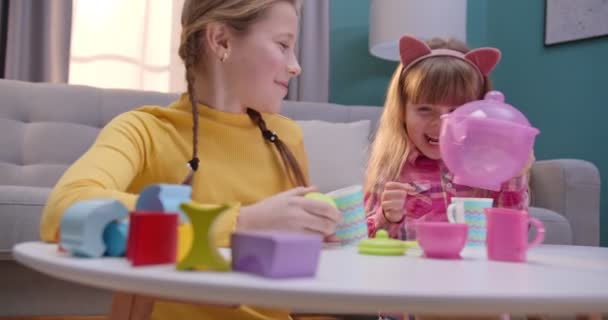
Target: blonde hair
436, 80
238, 15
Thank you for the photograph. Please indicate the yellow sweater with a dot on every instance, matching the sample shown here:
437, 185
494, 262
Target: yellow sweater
153, 144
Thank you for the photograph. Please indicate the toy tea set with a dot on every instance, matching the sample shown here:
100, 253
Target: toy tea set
484, 143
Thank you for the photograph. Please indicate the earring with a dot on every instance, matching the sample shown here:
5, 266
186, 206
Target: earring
224, 56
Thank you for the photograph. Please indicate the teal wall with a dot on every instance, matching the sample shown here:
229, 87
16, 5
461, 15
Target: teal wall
355, 76
560, 88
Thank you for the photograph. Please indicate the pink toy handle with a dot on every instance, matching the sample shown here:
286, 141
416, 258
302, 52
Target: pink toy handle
540, 233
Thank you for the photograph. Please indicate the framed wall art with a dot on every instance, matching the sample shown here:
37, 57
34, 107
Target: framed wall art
574, 20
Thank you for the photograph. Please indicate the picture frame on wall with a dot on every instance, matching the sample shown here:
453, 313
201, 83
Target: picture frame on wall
568, 20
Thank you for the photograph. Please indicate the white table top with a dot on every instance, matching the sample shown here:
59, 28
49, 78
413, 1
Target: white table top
556, 279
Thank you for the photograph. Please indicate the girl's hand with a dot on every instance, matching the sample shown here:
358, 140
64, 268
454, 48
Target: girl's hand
291, 211
393, 200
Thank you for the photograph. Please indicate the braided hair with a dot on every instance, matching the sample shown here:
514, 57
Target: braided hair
238, 14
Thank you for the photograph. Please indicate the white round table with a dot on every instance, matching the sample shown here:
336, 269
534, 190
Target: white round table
556, 279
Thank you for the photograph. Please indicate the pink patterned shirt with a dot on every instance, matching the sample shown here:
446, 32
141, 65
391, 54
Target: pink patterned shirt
435, 188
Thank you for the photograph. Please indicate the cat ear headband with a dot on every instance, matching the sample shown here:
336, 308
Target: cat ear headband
413, 51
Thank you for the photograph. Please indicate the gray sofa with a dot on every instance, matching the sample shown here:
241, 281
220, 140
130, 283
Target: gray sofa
45, 127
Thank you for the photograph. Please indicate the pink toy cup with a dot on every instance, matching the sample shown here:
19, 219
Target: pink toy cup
441, 240
507, 238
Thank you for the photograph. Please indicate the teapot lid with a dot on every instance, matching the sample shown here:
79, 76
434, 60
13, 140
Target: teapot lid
382, 245
492, 106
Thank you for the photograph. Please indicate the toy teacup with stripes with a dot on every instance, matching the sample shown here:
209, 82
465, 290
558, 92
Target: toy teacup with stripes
349, 201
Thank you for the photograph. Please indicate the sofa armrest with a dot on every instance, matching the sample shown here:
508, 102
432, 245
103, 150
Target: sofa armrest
20, 213
557, 227
571, 188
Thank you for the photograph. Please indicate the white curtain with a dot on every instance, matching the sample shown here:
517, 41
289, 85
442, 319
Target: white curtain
177, 82
133, 44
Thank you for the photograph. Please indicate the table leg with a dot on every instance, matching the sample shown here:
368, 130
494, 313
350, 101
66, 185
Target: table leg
593, 316
578, 317
126, 306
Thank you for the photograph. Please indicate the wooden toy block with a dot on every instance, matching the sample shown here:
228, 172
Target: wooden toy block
115, 237
202, 253
164, 198
276, 254
152, 238
83, 224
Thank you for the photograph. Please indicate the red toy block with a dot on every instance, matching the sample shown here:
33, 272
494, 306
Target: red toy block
152, 238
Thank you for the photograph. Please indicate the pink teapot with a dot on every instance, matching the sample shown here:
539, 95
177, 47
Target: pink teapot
486, 142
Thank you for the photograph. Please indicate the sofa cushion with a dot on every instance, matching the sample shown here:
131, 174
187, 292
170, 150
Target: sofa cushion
337, 152
46, 127
20, 211
331, 112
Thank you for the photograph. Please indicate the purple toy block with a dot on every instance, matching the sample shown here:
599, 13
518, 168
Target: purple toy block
276, 254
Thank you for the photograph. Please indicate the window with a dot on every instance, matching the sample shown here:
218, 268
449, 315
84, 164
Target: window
126, 44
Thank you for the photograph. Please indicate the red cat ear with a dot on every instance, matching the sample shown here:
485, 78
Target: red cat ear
485, 59
411, 49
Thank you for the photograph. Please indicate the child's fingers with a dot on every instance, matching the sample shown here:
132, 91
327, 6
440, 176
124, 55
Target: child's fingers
393, 204
318, 208
331, 238
393, 185
300, 191
394, 195
408, 187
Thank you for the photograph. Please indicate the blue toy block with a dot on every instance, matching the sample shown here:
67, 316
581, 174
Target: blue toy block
115, 237
164, 198
83, 225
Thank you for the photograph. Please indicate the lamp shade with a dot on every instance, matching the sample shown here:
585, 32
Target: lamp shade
424, 19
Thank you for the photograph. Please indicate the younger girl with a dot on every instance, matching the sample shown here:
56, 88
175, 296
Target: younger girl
406, 180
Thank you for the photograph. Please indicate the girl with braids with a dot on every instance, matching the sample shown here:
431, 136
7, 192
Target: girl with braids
223, 137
